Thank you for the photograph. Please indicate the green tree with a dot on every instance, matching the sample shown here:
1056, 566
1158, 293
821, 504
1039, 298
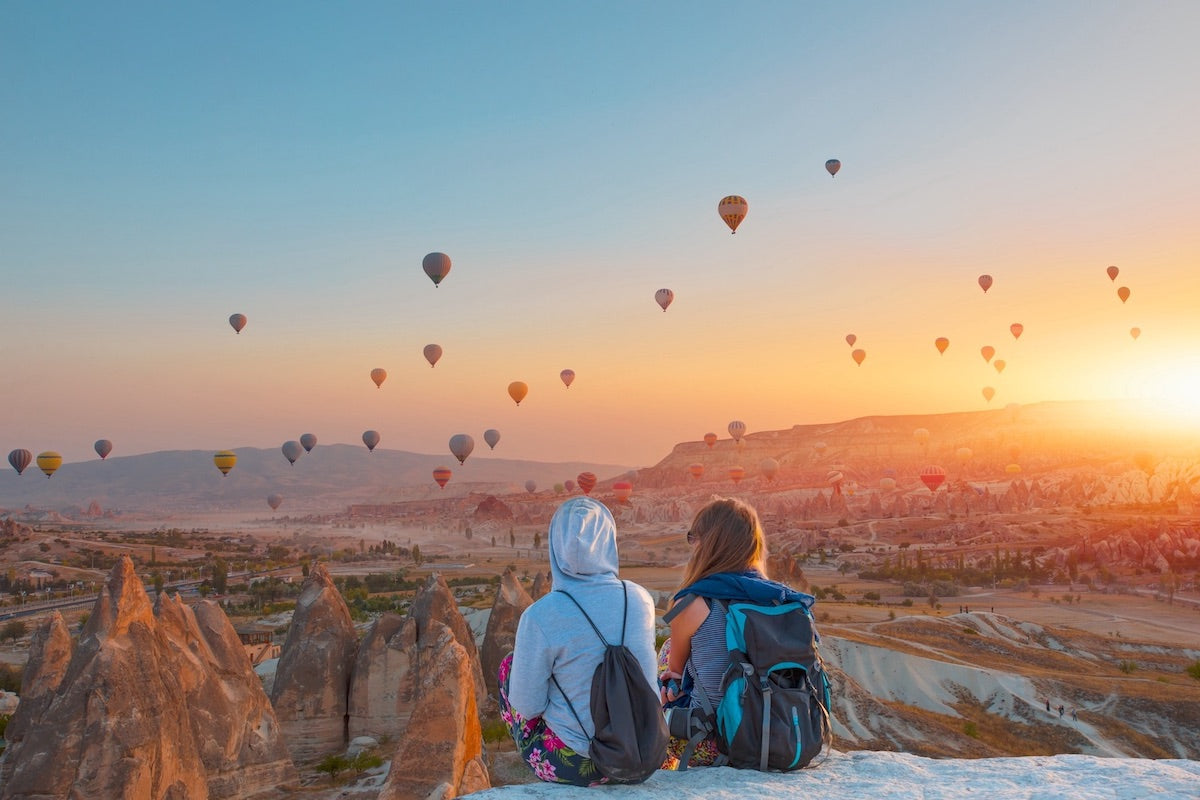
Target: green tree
15, 629
537, 540
220, 576
416, 554
159, 582
334, 764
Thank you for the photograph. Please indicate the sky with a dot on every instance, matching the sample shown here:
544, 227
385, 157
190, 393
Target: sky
163, 166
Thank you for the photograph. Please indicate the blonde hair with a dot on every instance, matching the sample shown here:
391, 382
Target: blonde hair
729, 539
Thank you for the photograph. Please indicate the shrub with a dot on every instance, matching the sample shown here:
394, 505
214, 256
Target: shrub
365, 760
1128, 667
494, 730
871, 596
1194, 670
334, 764
971, 729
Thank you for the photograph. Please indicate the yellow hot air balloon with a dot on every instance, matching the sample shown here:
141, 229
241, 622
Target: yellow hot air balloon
49, 462
224, 460
379, 375
1013, 469
517, 391
941, 343
733, 209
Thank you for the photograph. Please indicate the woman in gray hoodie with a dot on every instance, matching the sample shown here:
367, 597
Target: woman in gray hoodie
555, 643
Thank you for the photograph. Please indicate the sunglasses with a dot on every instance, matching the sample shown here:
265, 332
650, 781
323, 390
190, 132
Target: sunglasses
692, 536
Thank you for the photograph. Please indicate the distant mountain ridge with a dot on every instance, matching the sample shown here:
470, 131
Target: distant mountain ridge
327, 479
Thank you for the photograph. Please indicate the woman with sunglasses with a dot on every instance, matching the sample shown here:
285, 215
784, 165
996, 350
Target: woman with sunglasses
728, 563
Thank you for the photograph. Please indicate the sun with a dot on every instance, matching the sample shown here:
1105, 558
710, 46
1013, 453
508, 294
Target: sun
1169, 392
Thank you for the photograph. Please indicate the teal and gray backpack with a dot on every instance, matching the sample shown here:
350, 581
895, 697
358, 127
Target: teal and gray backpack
774, 714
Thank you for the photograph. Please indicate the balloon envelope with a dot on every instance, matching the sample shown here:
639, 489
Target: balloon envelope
963, 454
292, 450
224, 460
1017, 329
370, 439
988, 393
432, 353
999, 364
568, 377
737, 429
832, 166
851, 339
19, 459
274, 501
1113, 272
736, 474
697, 470
103, 448
461, 445
733, 209
1013, 469
622, 490
932, 476
941, 343
921, 436
49, 462
531, 486
859, 356
710, 439
887, 484
442, 476
987, 351
517, 391
664, 297
569, 485
308, 441
820, 447
1135, 333
985, 282
769, 467
587, 481
491, 436
237, 322
1123, 293
436, 266
834, 477
379, 375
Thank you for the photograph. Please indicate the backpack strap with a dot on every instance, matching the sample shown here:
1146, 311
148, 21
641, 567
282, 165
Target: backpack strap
679, 606
570, 705
702, 722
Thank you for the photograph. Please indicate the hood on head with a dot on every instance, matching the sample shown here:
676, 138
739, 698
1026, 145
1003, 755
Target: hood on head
583, 543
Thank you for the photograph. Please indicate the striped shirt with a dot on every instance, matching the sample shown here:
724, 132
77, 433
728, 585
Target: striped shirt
709, 656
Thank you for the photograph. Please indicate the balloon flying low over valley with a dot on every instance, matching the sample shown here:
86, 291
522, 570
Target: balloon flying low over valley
203, 253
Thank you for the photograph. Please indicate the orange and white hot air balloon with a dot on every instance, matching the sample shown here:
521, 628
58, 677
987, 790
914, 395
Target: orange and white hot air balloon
985, 282
664, 297
941, 343
859, 356
932, 476
517, 391
737, 429
379, 375
733, 209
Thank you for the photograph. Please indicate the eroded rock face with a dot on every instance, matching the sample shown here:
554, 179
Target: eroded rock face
511, 601
541, 585
383, 686
434, 602
312, 680
440, 754
50, 653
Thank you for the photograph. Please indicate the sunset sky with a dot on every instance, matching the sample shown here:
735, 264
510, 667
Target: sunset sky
163, 166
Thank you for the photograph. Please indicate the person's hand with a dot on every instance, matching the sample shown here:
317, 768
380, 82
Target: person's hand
669, 685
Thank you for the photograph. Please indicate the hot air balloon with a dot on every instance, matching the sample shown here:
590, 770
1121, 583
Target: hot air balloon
985, 282
274, 501
49, 462
103, 447
491, 436
587, 481
1113, 272
568, 377
710, 439
737, 429
769, 467
697, 470
461, 446
921, 436
19, 459
932, 476
569, 485
988, 393
851, 339
379, 375
859, 356
832, 166
1123, 293
987, 351
224, 460
442, 476
1014, 469
517, 391
436, 266
292, 450
558, 488
820, 447
887, 484
963, 454
664, 297
835, 478
308, 441
531, 486
941, 343
370, 439
733, 210
736, 474
432, 353
1135, 333
1000, 364
1017, 329
237, 322
622, 490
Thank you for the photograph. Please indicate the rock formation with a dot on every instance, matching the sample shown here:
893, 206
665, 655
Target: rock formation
541, 584
440, 754
383, 686
312, 680
149, 704
435, 602
511, 601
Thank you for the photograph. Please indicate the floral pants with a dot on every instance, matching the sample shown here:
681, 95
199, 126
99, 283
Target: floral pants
546, 754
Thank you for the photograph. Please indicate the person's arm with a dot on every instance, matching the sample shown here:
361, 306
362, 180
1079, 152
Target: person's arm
683, 627
529, 679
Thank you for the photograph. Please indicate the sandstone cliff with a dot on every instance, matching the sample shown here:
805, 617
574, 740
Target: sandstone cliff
511, 601
435, 602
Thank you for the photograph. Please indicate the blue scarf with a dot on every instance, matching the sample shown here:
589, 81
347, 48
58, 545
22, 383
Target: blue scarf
749, 586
